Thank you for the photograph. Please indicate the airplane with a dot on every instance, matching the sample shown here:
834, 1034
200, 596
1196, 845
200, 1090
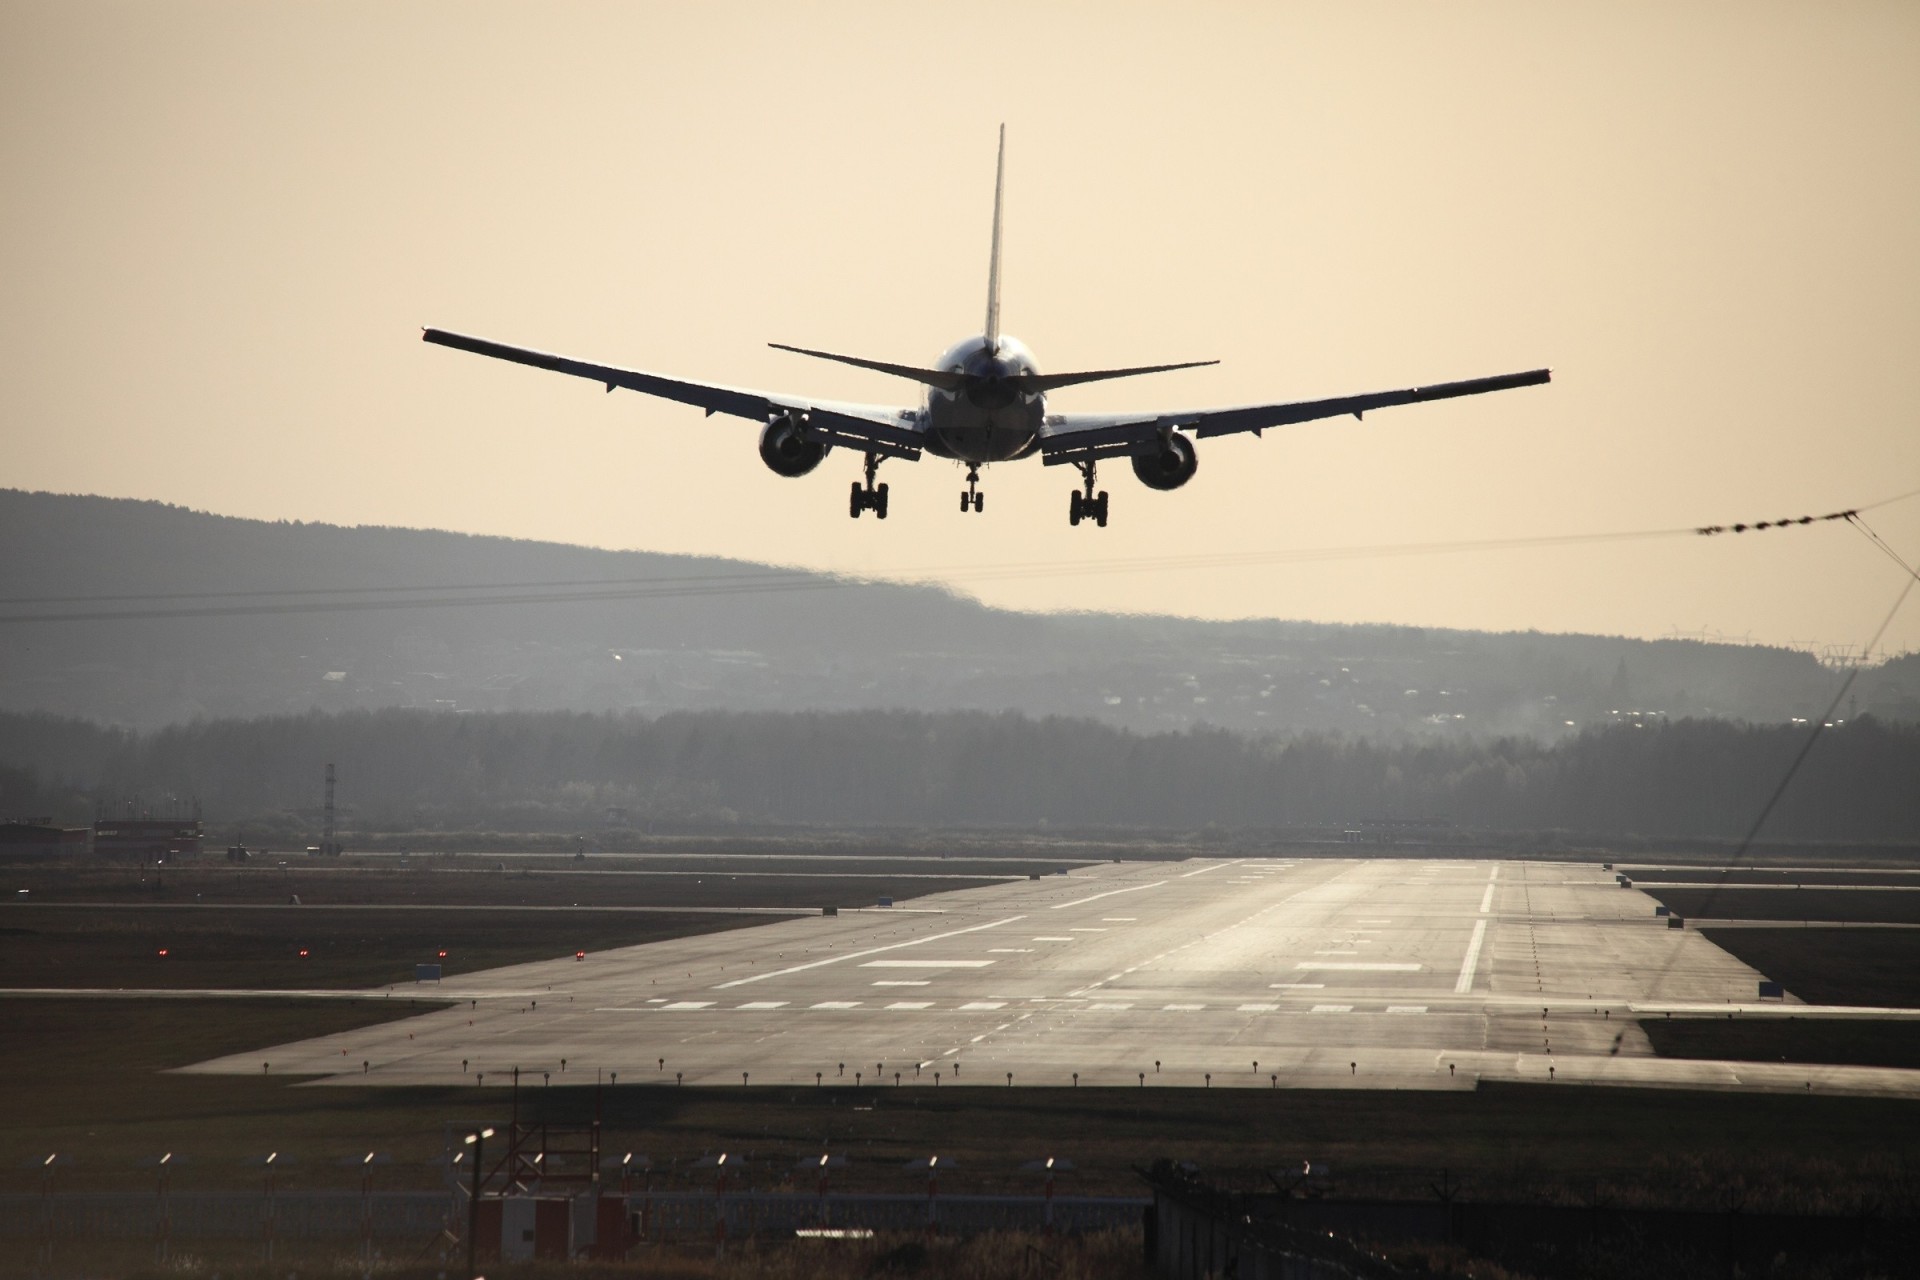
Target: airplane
985, 402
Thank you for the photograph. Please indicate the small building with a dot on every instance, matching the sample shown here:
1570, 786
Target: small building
147, 837
36, 837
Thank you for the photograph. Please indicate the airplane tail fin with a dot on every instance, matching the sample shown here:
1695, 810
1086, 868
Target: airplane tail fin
992, 330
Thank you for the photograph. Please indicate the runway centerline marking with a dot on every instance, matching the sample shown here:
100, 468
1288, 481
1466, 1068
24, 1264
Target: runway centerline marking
1465, 984
1486, 900
901, 982
1061, 906
765, 1004
1384, 966
926, 964
871, 951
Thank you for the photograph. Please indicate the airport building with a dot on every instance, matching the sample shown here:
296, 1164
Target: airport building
147, 837
36, 837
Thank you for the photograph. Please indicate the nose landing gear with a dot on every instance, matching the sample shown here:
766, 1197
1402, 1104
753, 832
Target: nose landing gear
973, 499
868, 497
1085, 505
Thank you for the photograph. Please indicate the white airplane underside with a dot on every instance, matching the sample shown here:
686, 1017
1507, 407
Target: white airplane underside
985, 401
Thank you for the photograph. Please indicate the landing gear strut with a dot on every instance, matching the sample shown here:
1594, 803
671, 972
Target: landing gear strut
868, 497
1085, 505
973, 499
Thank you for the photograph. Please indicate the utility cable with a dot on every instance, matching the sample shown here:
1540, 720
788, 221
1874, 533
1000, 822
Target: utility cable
749, 582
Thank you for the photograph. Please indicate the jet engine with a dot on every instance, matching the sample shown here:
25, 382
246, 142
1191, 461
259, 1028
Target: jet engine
787, 451
1169, 464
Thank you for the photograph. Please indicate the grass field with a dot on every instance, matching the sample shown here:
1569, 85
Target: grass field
469, 880
1874, 967
260, 947
1843, 1042
1853, 906
1768, 875
92, 1070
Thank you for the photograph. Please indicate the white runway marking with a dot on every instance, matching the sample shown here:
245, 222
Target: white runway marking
1118, 919
687, 1004
911, 1004
1258, 1008
1486, 900
984, 1004
902, 982
1297, 986
836, 1004
1010, 951
1361, 966
1182, 1008
1135, 888
1406, 1008
926, 964
765, 1004
871, 951
1465, 984
1086, 928
1211, 867
1333, 1008
1052, 938
1112, 1005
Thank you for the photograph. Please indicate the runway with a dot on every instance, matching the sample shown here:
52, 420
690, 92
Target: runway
1260, 972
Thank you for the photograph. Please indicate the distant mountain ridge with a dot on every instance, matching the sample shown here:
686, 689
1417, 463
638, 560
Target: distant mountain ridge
685, 632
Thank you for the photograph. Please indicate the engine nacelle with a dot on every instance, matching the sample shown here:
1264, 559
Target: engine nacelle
1169, 465
786, 451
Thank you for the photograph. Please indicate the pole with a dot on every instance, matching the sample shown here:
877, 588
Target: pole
473, 1205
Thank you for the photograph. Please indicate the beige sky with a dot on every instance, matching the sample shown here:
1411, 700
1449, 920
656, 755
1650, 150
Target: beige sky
224, 226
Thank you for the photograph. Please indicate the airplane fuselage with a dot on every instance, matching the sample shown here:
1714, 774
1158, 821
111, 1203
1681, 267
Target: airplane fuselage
988, 419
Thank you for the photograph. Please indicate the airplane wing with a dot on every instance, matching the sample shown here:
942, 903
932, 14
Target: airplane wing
1082, 437
883, 429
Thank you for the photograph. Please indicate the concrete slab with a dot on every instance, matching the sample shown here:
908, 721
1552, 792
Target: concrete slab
1255, 972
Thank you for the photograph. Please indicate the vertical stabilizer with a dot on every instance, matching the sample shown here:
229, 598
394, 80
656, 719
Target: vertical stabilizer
992, 330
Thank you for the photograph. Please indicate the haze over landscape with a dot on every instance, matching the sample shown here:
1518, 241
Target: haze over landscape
228, 223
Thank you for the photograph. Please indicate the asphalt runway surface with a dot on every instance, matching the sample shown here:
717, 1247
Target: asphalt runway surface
1253, 973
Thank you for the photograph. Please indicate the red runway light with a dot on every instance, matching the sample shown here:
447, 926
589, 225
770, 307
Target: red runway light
303, 953
163, 951
579, 955
443, 955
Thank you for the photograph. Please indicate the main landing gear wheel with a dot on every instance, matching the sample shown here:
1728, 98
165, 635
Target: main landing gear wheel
1087, 505
973, 498
868, 496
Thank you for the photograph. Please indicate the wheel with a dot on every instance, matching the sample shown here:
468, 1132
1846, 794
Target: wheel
853, 503
1074, 511
1100, 509
880, 502
979, 502
965, 502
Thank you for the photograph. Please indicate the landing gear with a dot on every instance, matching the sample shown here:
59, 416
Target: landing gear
1086, 505
973, 499
868, 497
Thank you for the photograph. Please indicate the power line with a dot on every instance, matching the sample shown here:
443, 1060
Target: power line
301, 600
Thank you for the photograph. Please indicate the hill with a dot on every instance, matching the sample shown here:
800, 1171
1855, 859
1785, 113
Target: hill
173, 615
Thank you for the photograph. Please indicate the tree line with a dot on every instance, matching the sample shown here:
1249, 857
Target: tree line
403, 770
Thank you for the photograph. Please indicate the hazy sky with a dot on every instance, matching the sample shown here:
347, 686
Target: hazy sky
225, 225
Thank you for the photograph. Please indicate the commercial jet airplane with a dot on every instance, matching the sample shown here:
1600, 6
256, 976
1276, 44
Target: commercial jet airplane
985, 402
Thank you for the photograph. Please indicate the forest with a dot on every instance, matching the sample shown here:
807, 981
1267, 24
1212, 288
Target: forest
410, 770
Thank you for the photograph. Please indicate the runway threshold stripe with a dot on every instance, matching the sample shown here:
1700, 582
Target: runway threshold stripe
1465, 984
926, 964
871, 951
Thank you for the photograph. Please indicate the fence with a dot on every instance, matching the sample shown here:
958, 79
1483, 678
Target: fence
412, 1216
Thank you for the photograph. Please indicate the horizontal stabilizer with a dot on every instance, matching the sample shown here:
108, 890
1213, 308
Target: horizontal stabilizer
931, 377
1048, 381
